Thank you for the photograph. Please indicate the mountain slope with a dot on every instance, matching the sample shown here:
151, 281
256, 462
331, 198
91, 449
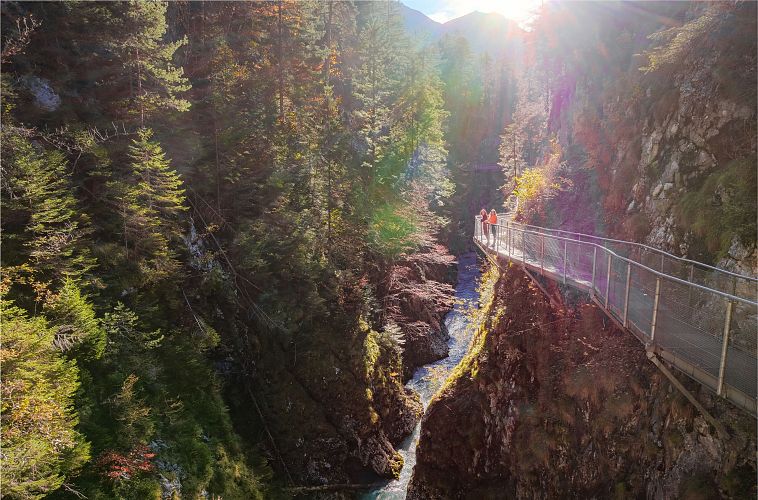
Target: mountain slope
491, 33
417, 24
485, 32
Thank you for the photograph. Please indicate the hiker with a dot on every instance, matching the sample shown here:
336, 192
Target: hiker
485, 228
493, 223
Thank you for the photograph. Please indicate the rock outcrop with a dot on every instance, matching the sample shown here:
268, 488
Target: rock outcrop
418, 297
555, 402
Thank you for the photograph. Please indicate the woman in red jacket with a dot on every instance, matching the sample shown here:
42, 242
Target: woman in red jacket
493, 222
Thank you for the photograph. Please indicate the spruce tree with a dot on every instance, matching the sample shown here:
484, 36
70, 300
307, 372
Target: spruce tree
44, 225
155, 83
150, 201
41, 445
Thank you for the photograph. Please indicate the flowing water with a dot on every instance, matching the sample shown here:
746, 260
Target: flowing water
429, 378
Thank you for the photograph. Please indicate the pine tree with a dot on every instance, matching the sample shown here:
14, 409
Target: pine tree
76, 327
41, 445
151, 199
40, 212
154, 82
512, 146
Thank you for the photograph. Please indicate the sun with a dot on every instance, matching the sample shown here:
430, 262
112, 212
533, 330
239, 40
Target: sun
520, 11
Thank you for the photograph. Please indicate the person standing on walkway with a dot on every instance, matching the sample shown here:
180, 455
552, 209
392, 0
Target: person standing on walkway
485, 226
493, 223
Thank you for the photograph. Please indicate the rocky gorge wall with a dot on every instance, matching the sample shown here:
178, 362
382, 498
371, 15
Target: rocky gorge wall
553, 401
660, 143
333, 398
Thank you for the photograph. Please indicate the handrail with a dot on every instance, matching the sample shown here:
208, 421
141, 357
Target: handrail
643, 266
658, 250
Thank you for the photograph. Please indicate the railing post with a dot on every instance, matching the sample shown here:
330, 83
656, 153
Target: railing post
655, 308
594, 259
509, 241
689, 289
662, 257
725, 347
626, 293
608, 281
523, 247
565, 259
542, 254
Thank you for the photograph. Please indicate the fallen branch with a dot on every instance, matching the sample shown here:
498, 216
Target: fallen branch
330, 487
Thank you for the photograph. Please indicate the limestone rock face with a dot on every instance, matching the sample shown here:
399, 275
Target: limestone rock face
572, 409
695, 141
679, 141
45, 97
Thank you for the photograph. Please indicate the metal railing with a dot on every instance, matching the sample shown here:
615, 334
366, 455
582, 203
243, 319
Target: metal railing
699, 318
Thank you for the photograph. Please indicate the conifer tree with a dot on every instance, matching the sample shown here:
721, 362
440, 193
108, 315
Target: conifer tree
150, 199
40, 212
41, 445
154, 82
73, 318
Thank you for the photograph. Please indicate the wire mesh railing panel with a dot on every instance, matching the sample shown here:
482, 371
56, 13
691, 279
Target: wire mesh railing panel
688, 335
579, 262
741, 366
617, 287
641, 300
601, 274
742, 286
553, 257
531, 250
515, 242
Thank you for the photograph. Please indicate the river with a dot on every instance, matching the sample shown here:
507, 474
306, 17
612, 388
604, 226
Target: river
429, 378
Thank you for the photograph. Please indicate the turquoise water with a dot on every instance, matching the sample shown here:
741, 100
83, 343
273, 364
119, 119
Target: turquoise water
429, 378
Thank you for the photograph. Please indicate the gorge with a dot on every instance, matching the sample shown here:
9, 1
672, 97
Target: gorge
237, 255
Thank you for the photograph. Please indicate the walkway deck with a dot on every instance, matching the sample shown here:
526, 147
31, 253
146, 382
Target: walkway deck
699, 318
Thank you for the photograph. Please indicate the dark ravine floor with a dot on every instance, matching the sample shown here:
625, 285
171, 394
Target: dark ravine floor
429, 378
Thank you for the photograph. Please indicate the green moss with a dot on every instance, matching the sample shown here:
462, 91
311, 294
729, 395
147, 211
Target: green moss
699, 486
396, 465
723, 207
468, 367
739, 483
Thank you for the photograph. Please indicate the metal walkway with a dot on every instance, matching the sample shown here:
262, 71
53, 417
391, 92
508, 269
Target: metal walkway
701, 319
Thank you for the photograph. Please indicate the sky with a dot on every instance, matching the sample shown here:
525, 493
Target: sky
445, 10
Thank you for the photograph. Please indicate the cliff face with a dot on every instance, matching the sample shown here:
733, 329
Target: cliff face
555, 402
693, 158
648, 114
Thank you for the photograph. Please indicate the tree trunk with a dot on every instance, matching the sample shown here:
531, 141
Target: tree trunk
281, 63
327, 110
